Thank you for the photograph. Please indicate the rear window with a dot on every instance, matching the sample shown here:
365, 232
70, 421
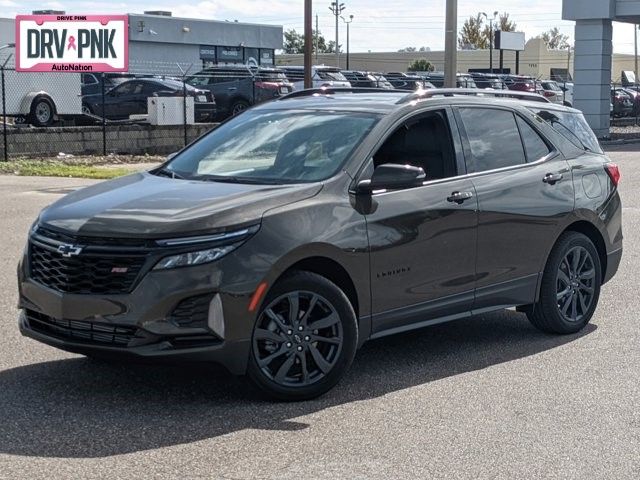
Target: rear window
572, 126
331, 75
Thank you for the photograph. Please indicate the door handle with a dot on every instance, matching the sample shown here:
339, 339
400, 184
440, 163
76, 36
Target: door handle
459, 197
552, 178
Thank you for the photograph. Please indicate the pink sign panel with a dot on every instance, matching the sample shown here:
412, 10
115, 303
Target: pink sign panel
72, 43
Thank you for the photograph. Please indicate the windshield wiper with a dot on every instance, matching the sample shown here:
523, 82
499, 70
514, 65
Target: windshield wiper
237, 179
165, 172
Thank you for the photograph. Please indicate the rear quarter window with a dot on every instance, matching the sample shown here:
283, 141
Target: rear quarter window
572, 126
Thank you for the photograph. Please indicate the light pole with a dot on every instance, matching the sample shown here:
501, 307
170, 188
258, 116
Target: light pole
450, 47
491, 20
348, 23
308, 42
337, 8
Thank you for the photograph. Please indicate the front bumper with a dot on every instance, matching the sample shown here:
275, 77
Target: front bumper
231, 355
148, 315
205, 112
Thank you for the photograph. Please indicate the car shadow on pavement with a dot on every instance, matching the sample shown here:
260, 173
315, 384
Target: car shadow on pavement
81, 408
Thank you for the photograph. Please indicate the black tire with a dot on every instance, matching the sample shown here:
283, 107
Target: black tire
313, 360
42, 112
238, 107
570, 286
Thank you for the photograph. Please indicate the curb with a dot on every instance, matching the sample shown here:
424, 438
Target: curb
623, 141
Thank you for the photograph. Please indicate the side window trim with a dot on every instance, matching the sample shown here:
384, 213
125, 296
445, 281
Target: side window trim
553, 151
467, 148
455, 136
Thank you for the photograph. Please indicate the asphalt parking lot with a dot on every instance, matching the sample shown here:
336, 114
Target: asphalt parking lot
488, 397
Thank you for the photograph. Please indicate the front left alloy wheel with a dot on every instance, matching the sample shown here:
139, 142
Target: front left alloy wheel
304, 339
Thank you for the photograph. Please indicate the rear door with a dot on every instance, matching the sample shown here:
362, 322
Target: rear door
525, 189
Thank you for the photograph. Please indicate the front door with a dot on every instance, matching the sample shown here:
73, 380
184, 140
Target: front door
422, 240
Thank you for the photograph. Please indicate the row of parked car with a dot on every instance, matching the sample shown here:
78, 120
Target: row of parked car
223, 91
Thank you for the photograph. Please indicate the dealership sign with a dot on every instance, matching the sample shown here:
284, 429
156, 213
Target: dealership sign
72, 43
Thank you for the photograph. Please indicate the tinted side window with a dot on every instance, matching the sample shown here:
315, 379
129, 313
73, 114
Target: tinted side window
535, 147
494, 139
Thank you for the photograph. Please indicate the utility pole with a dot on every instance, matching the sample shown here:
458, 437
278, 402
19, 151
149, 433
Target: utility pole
317, 38
337, 8
308, 42
635, 44
450, 47
348, 23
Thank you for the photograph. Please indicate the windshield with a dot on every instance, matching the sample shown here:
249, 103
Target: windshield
331, 75
274, 147
573, 127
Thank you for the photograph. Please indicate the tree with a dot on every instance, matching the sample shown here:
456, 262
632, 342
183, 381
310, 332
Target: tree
420, 65
472, 36
294, 42
555, 40
476, 31
414, 49
331, 48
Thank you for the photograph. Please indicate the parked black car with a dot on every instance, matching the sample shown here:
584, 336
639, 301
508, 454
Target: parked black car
236, 88
406, 81
91, 83
130, 98
463, 80
622, 102
281, 241
367, 79
488, 80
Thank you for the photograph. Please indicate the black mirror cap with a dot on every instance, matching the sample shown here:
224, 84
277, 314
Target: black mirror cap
391, 176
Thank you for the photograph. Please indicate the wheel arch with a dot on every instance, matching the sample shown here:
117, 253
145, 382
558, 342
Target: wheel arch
590, 231
332, 271
30, 98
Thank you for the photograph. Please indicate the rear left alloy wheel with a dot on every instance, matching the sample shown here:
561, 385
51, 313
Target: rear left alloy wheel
570, 286
304, 339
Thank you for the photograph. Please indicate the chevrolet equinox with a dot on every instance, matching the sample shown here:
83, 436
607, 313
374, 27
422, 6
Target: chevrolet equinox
280, 242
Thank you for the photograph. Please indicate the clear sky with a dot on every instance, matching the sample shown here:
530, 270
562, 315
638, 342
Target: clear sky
377, 26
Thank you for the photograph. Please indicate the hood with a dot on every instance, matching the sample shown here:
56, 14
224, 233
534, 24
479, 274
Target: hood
145, 205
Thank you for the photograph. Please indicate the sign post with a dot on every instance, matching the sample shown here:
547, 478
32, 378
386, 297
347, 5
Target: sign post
510, 41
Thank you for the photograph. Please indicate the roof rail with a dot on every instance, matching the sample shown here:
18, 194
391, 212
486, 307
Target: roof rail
450, 92
421, 94
331, 90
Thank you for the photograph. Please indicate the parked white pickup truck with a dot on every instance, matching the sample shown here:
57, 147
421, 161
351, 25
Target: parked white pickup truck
38, 98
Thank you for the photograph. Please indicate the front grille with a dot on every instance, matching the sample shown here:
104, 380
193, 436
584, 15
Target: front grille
82, 331
192, 312
93, 241
85, 273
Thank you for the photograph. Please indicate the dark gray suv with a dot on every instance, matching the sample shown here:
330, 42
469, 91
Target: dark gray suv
280, 242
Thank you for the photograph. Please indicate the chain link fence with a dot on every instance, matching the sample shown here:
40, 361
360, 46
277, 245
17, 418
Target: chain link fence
156, 108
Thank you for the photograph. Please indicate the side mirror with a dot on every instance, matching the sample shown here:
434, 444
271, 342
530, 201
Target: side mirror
391, 176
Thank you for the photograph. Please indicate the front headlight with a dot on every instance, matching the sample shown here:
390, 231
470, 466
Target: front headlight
194, 258
225, 243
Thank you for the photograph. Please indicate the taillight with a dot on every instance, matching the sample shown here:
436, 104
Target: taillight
268, 85
549, 94
614, 173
